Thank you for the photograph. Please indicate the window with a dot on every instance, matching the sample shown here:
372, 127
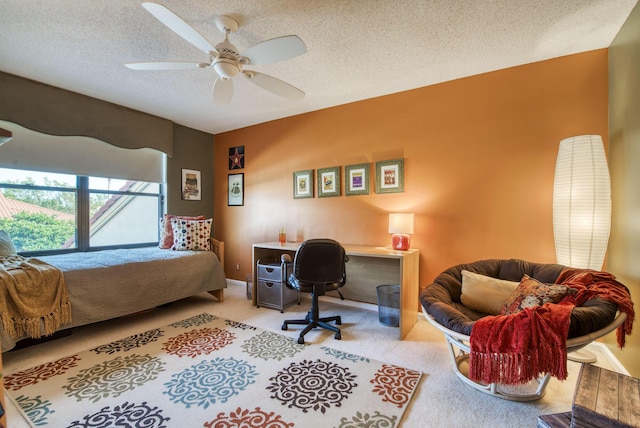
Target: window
123, 212
50, 212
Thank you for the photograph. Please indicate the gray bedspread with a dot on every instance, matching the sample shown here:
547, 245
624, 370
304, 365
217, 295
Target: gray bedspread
112, 283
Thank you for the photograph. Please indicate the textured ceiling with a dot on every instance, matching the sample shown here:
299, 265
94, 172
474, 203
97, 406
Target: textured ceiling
357, 49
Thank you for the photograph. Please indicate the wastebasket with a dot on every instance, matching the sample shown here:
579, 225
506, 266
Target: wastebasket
389, 305
249, 286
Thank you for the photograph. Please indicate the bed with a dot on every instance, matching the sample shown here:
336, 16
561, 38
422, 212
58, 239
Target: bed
112, 283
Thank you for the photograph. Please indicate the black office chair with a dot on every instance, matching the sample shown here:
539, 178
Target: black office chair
318, 267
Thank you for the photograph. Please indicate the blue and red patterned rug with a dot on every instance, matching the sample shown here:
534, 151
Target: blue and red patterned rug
207, 371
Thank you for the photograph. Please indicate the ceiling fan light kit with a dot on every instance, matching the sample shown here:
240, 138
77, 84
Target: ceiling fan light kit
225, 59
226, 68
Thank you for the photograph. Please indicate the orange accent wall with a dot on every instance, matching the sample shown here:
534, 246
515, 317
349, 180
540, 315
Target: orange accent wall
479, 157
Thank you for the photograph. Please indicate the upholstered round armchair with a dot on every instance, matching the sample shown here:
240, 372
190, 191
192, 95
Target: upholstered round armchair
466, 293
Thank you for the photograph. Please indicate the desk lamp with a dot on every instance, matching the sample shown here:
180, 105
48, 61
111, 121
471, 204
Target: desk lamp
401, 227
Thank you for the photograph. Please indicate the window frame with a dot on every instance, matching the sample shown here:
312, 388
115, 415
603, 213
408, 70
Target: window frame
83, 215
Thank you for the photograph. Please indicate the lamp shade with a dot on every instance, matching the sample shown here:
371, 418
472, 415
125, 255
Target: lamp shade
401, 223
581, 203
401, 226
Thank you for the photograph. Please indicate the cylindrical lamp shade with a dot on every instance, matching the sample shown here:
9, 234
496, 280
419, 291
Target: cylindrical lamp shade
581, 203
401, 226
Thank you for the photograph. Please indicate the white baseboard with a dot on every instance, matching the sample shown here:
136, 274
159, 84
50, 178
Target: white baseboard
236, 282
604, 349
329, 299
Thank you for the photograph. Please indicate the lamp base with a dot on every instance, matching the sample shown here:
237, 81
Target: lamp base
400, 241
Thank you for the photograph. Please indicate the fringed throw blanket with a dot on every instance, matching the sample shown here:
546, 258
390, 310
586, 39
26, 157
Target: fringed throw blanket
514, 349
33, 297
591, 283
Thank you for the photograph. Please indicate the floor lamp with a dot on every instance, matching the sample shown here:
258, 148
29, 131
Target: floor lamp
581, 207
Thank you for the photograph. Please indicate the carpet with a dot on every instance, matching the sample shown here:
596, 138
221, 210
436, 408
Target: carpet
208, 371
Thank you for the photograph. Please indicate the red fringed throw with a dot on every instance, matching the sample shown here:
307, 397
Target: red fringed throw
591, 283
514, 349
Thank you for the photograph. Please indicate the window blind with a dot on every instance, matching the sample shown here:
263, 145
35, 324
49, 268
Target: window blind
80, 156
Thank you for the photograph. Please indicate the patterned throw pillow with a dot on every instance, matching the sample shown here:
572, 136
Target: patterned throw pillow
166, 230
191, 234
531, 293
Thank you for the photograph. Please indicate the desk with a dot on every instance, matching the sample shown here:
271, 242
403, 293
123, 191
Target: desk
367, 268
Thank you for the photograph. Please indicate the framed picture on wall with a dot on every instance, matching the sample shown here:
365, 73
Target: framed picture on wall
329, 182
236, 157
191, 185
390, 176
236, 190
303, 184
356, 179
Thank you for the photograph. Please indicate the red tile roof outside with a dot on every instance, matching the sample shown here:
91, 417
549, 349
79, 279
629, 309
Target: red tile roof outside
10, 207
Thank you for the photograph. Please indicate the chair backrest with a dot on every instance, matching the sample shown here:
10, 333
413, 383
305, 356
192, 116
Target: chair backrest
320, 261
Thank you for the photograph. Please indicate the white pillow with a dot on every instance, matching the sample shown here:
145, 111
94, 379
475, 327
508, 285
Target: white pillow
485, 294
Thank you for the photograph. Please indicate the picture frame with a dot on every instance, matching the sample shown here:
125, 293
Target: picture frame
236, 157
390, 176
328, 180
235, 197
191, 187
303, 184
356, 179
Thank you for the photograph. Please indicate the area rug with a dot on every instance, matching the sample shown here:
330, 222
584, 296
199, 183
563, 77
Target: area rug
207, 371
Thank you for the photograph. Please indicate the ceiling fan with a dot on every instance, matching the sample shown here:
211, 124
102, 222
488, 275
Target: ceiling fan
225, 59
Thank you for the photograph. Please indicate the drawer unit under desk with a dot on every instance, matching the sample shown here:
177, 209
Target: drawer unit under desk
272, 290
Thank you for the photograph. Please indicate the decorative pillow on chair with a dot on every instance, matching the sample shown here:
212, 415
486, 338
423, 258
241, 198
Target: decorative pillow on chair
531, 293
191, 234
7, 248
166, 231
484, 293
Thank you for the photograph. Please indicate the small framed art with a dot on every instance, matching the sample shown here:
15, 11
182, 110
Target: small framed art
329, 182
303, 184
236, 190
236, 157
191, 190
356, 179
390, 176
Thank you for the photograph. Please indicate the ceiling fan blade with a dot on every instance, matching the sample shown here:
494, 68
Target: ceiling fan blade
178, 26
222, 91
162, 65
275, 50
273, 85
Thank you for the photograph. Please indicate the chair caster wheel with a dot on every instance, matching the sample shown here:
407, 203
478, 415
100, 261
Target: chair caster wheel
301, 340
284, 326
338, 336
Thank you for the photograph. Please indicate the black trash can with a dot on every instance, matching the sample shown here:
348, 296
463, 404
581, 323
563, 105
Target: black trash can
389, 305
